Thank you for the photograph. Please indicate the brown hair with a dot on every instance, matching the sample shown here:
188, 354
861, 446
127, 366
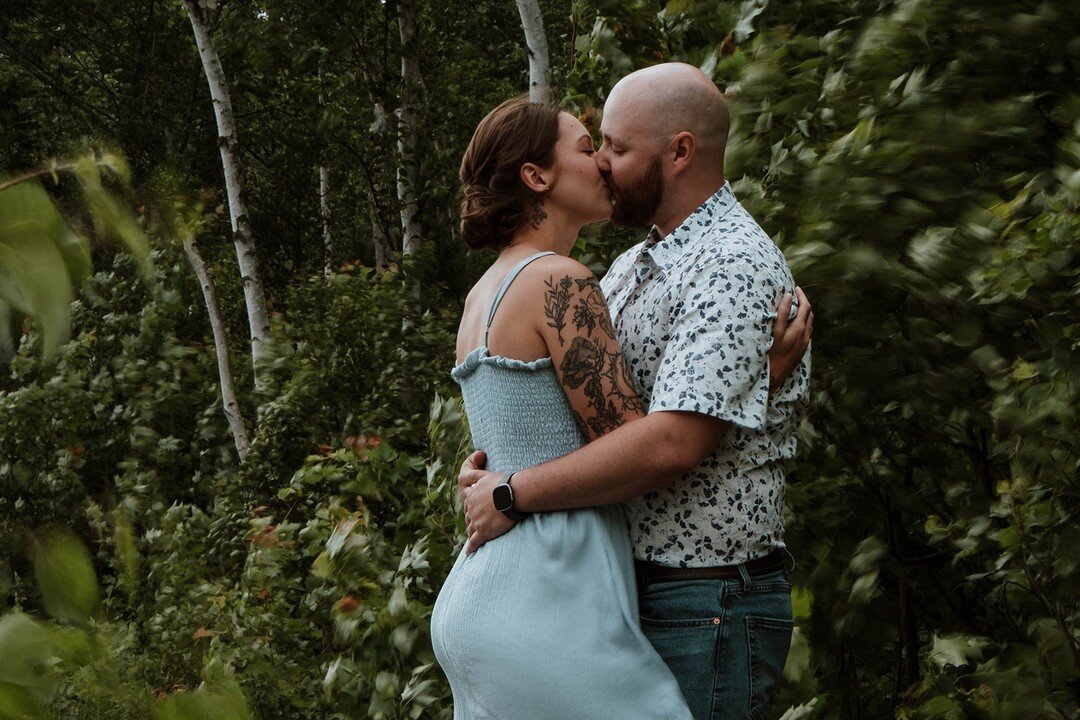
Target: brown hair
515, 133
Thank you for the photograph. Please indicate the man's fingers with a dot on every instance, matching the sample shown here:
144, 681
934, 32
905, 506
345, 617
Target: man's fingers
468, 478
472, 469
476, 461
474, 543
809, 328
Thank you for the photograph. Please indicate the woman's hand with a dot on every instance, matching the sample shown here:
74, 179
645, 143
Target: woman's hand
791, 338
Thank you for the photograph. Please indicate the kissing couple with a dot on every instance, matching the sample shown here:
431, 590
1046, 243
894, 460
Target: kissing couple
625, 555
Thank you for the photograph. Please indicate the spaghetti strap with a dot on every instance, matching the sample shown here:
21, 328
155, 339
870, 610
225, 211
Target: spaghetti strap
506, 284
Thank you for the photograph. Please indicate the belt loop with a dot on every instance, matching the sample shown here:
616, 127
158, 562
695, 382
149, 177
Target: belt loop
745, 575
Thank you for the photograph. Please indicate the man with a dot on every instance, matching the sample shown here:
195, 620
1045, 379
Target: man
693, 307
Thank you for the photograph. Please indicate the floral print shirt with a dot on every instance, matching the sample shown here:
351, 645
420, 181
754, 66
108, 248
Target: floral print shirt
694, 312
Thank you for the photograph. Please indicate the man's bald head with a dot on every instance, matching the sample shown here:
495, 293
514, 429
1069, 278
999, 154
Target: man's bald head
664, 100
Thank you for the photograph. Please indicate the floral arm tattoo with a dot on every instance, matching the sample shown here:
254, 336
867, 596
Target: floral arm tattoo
556, 303
590, 364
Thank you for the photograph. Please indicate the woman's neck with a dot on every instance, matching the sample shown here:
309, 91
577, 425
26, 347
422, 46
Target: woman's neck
547, 233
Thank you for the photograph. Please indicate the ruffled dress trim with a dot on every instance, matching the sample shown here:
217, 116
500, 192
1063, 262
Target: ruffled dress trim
480, 356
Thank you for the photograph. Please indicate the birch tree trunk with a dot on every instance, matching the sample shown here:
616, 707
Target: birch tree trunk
539, 57
380, 235
408, 126
243, 238
324, 185
221, 346
324, 208
380, 241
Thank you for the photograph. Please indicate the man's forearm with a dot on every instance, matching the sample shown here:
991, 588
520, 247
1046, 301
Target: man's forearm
637, 458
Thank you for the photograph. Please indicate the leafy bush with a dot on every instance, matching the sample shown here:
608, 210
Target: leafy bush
206, 567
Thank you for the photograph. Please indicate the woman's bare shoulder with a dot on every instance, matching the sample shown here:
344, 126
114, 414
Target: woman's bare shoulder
555, 270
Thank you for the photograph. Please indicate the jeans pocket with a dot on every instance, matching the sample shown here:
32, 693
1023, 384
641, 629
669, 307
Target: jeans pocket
769, 640
688, 648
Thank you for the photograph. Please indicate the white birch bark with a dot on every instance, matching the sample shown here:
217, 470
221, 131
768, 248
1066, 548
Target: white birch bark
221, 346
324, 208
243, 238
380, 241
539, 57
379, 237
408, 126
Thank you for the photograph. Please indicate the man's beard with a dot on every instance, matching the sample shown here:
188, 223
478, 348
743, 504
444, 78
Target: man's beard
636, 203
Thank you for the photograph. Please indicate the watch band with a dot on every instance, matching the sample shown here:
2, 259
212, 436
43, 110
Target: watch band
508, 510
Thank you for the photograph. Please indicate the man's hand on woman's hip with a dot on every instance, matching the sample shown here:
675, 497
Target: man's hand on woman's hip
482, 521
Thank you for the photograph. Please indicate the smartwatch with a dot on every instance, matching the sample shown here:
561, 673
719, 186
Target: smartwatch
503, 497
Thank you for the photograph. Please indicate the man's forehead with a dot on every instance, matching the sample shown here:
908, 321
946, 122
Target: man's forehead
623, 123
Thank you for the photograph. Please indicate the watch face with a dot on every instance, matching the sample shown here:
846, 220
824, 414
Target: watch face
503, 497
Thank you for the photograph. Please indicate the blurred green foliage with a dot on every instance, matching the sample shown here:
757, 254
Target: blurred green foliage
918, 162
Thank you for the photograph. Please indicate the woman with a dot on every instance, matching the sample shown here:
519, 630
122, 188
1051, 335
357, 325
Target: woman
543, 622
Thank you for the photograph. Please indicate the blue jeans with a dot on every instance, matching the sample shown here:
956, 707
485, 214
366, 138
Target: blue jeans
726, 641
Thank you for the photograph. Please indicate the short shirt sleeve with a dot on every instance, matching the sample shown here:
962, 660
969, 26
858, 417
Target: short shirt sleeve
716, 358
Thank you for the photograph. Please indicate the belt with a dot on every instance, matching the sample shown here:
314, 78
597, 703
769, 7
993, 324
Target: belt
650, 572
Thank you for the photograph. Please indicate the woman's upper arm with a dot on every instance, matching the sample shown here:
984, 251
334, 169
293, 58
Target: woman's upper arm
589, 363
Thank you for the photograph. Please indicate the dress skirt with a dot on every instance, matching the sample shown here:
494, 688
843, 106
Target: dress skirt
542, 624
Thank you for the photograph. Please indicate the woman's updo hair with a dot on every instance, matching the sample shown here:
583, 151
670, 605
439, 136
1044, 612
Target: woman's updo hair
495, 202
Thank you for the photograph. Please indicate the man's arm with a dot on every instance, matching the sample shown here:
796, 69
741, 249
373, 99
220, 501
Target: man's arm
637, 458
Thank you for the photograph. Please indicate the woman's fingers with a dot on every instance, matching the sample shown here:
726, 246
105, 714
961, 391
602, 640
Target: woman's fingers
803, 324
783, 313
804, 302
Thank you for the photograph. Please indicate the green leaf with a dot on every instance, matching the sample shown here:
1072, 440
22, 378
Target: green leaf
111, 219
957, 650
675, 7
27, 670
66, 578
34, 278
16, 703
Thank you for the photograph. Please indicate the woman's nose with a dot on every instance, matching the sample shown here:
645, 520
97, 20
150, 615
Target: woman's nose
602, 161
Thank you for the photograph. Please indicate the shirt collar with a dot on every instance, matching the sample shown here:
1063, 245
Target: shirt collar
666, 251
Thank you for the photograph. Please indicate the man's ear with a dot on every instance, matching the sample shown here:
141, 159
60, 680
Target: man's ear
535, 178
682, 149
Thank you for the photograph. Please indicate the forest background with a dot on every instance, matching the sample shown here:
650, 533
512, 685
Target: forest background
917, 162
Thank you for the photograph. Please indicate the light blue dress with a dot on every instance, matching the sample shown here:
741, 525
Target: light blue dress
542, 623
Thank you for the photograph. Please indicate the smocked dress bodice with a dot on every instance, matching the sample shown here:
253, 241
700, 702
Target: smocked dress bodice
517, 411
